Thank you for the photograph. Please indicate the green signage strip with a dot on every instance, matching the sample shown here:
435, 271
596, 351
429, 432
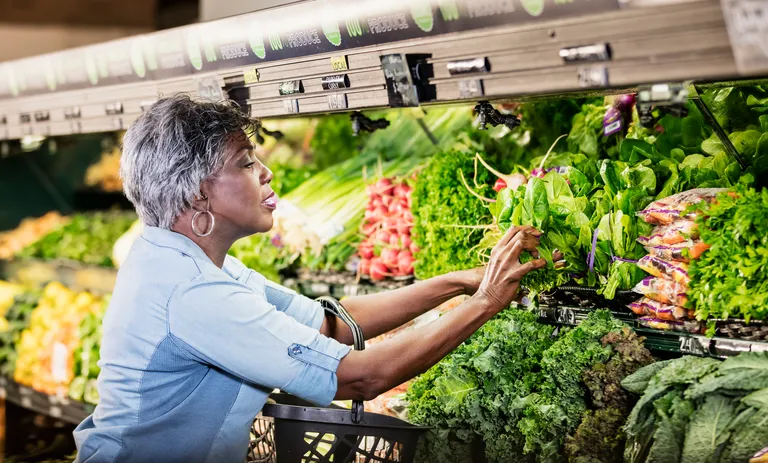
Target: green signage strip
323, 26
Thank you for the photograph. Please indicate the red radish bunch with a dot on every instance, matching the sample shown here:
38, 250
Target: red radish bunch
387, 249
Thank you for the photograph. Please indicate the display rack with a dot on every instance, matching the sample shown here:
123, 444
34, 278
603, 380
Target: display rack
74, 275
60, 407
326, 56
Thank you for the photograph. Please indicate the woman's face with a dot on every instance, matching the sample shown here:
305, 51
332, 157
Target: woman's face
240, 194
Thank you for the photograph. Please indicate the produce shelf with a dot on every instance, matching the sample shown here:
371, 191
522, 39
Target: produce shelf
74, 275
657, 340
60, 407
340, 285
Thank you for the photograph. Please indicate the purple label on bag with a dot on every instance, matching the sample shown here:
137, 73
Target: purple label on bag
612, 122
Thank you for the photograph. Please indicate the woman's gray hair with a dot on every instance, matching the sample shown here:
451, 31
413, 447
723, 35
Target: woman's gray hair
175, 145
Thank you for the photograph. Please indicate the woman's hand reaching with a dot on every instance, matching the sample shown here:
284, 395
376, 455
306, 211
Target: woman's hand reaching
501, 280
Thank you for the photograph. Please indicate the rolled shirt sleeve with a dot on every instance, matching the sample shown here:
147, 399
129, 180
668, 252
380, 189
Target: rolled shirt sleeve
226, 324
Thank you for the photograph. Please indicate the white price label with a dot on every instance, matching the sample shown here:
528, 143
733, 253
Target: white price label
291, 106
60, 362
55, 412
337, 101
26, 402
471, 88
747, 23
565, 316
691, 345
593, 76
209, 89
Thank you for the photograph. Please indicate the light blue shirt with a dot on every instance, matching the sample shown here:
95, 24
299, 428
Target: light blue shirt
190, 353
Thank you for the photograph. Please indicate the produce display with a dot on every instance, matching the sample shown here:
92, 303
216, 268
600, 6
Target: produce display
521, 390
667, 212
104, 175
700, 410
86, 356
318, 224
729, 279
387, 249
46, 347
87, 238
29, 231
14, 320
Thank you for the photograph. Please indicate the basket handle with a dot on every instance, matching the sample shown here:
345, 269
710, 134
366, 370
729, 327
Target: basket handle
333, 306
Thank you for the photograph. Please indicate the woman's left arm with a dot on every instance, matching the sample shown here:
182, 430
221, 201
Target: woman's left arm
382, 312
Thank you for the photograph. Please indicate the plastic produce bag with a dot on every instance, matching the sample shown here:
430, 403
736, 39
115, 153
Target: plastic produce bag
656, 309
676, 271
675, 233
687, 326
680, 252
662, 290
672, 208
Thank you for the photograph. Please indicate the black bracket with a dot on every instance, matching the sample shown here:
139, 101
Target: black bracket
362, 123
487, 114
716, 127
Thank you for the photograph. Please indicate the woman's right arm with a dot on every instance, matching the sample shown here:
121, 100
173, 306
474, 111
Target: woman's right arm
363, 375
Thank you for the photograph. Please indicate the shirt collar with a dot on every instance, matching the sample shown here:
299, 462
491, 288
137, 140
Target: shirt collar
170, 239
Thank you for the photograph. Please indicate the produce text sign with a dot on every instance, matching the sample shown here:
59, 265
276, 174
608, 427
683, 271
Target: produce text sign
293, 31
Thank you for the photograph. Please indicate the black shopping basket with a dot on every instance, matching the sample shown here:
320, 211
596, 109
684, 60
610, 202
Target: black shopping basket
291, 430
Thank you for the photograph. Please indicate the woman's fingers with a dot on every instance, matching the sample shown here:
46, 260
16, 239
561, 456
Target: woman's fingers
532, 265
514, 231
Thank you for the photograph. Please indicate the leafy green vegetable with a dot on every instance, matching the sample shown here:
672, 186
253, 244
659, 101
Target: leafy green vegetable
87, 238
729, 279
600, 436
707, 431
18, 316
700, 410
442, 207
521, 392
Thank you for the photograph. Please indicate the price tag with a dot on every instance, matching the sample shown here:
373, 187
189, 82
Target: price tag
26, 402
320, 288
759, 347
339, 63
72, 113
337, 101
593, 76
291, 106
291, 87
351, 290
335, 82
251, 76
59, 362
3, 393
397, 75
471, 88
209, 89
747, 24
25, 391
113, 108
729, 348
55, 412
693, 346
566, 316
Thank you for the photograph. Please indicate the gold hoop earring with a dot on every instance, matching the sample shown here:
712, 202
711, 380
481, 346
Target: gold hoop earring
208, 212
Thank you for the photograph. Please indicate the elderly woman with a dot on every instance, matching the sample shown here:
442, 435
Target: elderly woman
194, 341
